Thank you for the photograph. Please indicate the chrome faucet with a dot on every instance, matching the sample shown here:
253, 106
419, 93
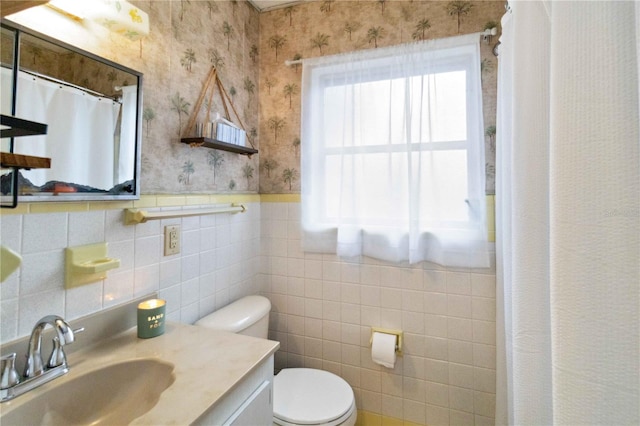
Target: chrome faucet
35, 364
35, 372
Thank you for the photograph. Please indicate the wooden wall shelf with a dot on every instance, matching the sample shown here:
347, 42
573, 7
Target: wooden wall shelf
216, 144
20, 127
18, 161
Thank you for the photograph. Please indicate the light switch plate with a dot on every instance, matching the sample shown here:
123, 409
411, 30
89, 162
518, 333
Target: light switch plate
171, 240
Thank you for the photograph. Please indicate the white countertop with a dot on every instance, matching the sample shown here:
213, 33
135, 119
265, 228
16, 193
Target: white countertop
208, 365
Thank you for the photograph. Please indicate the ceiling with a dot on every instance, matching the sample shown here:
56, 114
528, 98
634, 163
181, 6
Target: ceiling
266, 5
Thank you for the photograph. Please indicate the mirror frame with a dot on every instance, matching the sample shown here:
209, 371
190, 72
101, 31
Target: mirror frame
19, 30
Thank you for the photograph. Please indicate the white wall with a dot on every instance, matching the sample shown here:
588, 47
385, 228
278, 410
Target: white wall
323, 308
218, 262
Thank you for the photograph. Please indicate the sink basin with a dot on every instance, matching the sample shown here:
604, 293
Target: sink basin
113, 395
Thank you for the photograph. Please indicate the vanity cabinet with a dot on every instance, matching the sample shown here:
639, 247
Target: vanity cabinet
250, 403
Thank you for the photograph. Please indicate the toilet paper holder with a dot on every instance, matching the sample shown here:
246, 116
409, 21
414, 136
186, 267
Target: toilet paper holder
397, 333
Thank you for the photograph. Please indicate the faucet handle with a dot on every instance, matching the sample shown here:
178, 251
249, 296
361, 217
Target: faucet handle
9, 376
58, 357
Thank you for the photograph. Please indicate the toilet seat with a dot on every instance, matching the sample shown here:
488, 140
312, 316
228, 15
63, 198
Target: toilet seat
305, 396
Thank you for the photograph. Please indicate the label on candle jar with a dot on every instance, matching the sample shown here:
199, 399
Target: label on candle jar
151, 319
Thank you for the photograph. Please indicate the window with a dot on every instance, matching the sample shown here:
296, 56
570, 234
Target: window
393, 154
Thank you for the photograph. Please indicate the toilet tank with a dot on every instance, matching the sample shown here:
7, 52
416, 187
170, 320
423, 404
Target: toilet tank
248, 315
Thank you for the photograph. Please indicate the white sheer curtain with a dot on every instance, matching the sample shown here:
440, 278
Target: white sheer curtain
127, 142
80, 132
393, 154
568, 214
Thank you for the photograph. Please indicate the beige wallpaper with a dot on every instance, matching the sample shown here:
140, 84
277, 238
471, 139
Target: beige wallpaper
329, 27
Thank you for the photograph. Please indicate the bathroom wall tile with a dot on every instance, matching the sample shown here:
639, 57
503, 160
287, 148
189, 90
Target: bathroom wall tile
436, 325
331, 330
313, 308
391, 318
146, 280
370, 316
413, 301
413, 322
206, 305
370, 295
391, 383
222, 297
415, 411
350, 355
35, 306
295, 286
123, 250
391, 406
435, 303
461, 375
313, 327
459, 306
147, 229
190, 313
370, 380
413, 367
350, 273
8, 319
350, 334
310, 362
351, 373
484, 308
207, 238
190, 268
295, 324
313, 288
461, 399
460, 329
331, 351
350, 313
370, 275
483, 285
190, 242
458, 283
484, 332
295, 360
484, 403
86, 227
10, 227
413, 344
436, 348
331, 290
437, 416
437, 394
436, 371
331, 310
435, 281
350, 293
295, 305
313, 347
483, 421
484, 379
190, 292
41, 272
147, 251
295, 344
414, 389
484, 355
118, 287
391, 298
460, 352
371, 401
44, 232
460, 418
80, 301
331, 271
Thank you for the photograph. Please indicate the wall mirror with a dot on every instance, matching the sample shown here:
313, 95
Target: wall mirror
91, 107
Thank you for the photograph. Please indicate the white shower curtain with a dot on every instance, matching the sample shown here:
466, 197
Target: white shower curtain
568, 213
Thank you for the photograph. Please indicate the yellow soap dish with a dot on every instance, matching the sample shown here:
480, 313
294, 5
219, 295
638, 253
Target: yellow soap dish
87, 264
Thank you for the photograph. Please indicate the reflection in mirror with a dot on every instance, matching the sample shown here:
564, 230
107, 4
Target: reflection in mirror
91, 107
7, 41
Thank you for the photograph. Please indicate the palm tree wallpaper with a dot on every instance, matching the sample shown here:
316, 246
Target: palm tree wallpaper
319, 28
248, 49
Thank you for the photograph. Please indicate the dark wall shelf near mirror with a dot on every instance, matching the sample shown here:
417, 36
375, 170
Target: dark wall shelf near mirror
216, 144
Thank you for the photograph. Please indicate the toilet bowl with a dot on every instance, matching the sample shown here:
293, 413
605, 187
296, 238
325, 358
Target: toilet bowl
301, 396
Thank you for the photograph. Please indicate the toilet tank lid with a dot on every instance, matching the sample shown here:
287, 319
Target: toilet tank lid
238, 315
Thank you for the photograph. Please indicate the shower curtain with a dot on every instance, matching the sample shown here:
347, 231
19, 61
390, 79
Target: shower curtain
568, 214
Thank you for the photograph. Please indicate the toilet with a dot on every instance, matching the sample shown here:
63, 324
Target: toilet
301, 396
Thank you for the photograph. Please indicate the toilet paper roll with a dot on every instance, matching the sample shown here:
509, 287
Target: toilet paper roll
383, 349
